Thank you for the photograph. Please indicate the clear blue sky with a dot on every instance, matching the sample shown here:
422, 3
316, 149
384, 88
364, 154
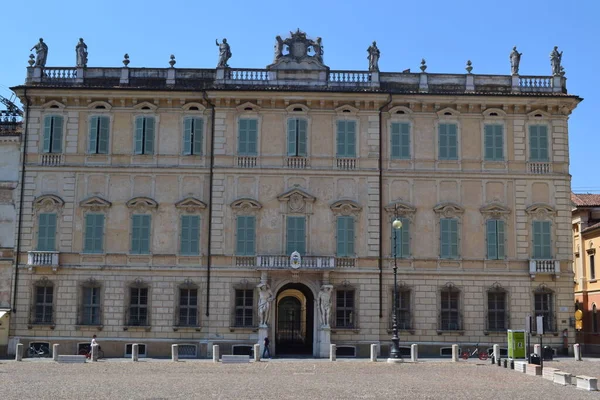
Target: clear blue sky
445, 33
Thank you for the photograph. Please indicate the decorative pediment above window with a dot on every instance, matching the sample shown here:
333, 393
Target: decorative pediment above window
400, 110
193, 106
248, 107
145, 106
542, 288
245, 206
540, 211
297, 109
400, 208
188, 284
190, 204
95, 203
48, 203
53, 104
296, 201
538, 114
449, 210
495, 210
346, 110
448, 112
99, 105
450, 287
142, 204
345, 207
496, 287
494, 113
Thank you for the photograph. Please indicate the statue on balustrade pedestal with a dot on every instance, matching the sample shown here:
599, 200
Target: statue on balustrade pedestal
373, 57
41, 53
224, 53
555, 59
515, 59
82, 54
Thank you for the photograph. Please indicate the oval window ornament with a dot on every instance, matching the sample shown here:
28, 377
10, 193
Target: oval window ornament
295, 260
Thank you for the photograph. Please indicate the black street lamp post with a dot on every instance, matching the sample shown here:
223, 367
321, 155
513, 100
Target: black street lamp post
395, 350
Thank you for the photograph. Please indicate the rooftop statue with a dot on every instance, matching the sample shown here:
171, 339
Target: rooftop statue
373, 57
82, 54
224, 53
515, 59
41, 53
555, 59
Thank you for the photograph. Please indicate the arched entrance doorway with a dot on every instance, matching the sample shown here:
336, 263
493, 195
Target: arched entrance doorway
295, 320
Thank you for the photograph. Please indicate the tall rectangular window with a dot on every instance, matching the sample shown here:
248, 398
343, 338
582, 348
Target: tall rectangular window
542, 240
188, 307
53, 134
140, 234
193, 135
544, 306
248, 137
99, 131
91, 306
144, 135
495, 239
400, 137
244, 304
345, 236
494, 142
496, 318
344, 309
538, 143
448, 238
138, 307
592, 266
94, 233
190, 235
346, 139
402, 240
296, 235
450, 314
44, 297
448, 142
403, 310
296, 137
46, 240
246, 233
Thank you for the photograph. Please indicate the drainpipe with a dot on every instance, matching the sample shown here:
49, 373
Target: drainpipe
210, 198
380, 259
21, 200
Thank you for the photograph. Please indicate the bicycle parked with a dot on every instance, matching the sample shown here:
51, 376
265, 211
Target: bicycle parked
87, 352
483, 355
40, 350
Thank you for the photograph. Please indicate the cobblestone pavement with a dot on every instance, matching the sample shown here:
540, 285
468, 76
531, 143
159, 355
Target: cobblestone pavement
276, 379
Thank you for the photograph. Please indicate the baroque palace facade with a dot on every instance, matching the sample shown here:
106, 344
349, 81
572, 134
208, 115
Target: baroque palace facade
162, 205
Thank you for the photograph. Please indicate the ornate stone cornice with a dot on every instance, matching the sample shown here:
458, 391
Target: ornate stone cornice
449, 210
296, 201
95, 203
495, 210
48, 203
401, 209
245, 206
142, 204
540, 211
345, 207
190, 204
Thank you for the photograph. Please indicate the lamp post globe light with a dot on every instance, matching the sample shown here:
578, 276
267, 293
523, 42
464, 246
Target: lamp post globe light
395, 349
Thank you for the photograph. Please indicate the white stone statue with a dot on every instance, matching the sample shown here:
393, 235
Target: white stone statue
41, 53
317, 46
515, 59
373, 57
555, 59
265, 297
278, 47
82, 54
224, 53
325, 304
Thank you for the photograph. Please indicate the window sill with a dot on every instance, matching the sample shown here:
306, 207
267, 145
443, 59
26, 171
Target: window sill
186, 328
345, 330
499, 332
88, 327
451, 332
545, 334
243, 328
409, 331
592, 280
48, 325
146, 328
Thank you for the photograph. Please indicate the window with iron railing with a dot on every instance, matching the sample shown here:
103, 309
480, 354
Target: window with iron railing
188, 307
544, 306
449, 310
91, 306
344, 310
244, 306
138, 307
44, 304
496, 313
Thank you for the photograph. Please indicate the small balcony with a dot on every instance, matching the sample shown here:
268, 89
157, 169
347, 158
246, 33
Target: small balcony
42, 259
538, 266
539, 167
306, 262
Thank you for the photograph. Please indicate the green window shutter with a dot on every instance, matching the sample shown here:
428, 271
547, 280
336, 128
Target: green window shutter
405, 141
546, 240
291, 137
47, 133
57, 134
94, 233
250, 235
139, 135
499, 142
140, 235
342, 249
302, 139
538, 143
149, 136
145, 234
46, 232
93, 136
489, 142
104, 123
198, 136
448, 238
341, 139
542, 239
351, 138
452, 142
543, 143
240, 247
349, 236
443, 141
243, 137
395, 140
190, 234
501, 238
252, 137
402, 239
187, 136
245, 245
247, 137
296, 235
537, 239
454, 237
492, 239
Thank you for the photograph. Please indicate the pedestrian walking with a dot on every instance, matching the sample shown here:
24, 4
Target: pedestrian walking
266, 348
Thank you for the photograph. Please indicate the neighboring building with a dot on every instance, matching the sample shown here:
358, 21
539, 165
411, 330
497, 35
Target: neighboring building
10, 141
586, 239
157, 200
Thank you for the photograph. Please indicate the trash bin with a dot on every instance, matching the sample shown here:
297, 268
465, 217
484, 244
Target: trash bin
547, 353
534, 359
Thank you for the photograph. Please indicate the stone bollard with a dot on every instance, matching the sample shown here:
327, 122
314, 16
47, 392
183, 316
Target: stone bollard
332, 351
216, 353
414, 352
134, 352
19, 353
454, 353
577, 352
373, 353
174, 352
94, 353
496, 354
257, 352
537, 349
55, 351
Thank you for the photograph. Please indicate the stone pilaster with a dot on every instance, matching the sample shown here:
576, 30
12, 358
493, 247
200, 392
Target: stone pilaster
220, 133
373, 136
521, 220
218, 238
373, 216
519, 140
